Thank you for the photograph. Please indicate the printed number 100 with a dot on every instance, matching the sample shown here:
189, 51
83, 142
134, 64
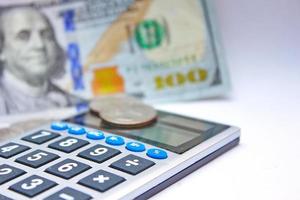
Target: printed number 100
179, 79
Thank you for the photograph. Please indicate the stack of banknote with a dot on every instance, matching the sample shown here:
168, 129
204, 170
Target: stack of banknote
58, 53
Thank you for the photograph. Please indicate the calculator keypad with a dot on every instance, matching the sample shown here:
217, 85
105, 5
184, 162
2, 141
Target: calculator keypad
11, 149
67, 169
8, 173
132, 164
76, 137
99, 153
32, 186
69, 193
101, 180
41, 137
37, 158
68, 144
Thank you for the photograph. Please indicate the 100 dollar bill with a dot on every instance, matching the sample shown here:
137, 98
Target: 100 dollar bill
160, 50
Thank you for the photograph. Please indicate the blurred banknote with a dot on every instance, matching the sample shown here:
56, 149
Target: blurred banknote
54, 53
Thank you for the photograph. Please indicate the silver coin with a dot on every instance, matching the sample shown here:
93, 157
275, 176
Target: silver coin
99, 103
129, 115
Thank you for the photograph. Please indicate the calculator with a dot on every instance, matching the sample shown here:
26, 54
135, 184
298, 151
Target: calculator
77, 160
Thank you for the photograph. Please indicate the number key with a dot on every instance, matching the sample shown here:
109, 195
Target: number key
32, 186
11, 149
68, 144
69, 194
37, 158
41, 137
8, 173
67, 168
99, 153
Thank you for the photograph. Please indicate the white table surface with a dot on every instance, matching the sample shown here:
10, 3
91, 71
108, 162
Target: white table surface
263, 54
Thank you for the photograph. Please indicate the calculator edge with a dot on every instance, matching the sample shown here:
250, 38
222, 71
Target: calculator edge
175, 166
210, 148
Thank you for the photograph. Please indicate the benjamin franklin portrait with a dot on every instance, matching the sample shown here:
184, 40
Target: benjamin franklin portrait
30, 59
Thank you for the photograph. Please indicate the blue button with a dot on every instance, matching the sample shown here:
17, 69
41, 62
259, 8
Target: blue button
59, 126
115, 140
95, 135
157, 154
76, 130
135, 146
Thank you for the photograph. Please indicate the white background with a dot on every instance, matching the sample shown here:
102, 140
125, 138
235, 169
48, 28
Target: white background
262, 43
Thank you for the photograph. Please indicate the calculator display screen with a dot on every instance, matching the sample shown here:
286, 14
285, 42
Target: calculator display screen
172, 132
165, 134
